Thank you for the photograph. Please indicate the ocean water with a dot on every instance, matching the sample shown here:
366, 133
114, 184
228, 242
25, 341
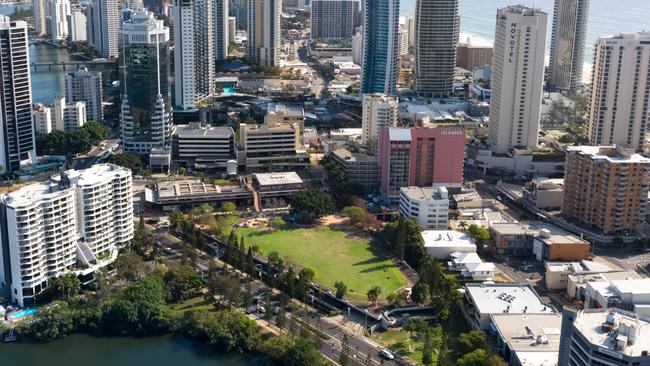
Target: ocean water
606, 17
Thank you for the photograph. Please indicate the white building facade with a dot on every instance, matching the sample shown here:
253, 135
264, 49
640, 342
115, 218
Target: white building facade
618, 102
428, 206
86, 86
263, 42
59, 10
517, 78
378, 111
64, 225
67, 117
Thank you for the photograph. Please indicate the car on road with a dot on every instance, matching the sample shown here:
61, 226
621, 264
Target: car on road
168, 250
386, 354
275, 309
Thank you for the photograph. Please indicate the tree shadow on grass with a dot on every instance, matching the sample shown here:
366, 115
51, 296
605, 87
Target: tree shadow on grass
382, 267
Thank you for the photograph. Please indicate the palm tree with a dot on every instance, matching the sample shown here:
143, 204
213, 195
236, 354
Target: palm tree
463, 225
373, 294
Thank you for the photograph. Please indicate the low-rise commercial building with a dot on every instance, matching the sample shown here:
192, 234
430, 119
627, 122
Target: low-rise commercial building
544, 193
203, 147
517, 238
604, 337
557, 273
177, 194
428, 206
74, 223
360, 168
470, 265
577, 283
441, 244
548, 246
626, 294
527, 339
483, 300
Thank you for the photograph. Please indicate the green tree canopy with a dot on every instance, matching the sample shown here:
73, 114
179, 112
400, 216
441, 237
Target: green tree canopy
311, 204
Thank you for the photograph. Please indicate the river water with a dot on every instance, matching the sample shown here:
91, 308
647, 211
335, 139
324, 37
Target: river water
83, 350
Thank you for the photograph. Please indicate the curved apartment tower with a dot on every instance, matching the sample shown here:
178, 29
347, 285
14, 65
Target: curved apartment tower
437, 28
380, 46
74, 223
146, 111
568, 44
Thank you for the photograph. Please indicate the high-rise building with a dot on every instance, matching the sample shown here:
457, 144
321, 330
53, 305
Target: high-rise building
469, 56
517, 78
607, 188
67, 117
357, 47
403, 35
333, 18
42, 118
39, 11
59, 10
380, 46
103, 22
618, 102
378, 111
437, 28
194, 54
221, 30
146, 111
263, 41
568, 44
232, 29
86, 86
75, 223
77, 24
16, 123
605, 336
421, 157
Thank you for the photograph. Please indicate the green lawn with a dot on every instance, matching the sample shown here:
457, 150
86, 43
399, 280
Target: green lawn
225, 223
195, 304
399, 341
332, 256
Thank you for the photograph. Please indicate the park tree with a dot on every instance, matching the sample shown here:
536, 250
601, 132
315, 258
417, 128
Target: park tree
175, 218
470, 341
354, 213
143, 239
183, 282
406, 241
373, 294
228, 207
341, 289
276, 222
419, 292
129, 161
64, 287
311, 204
480, 235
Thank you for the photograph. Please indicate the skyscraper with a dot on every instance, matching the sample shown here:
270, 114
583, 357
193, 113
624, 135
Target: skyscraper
263, 31
221, 36
59, 10
16, 120
146, 111
618, 102
437, 28
39, 11
103, 22
333, 18
193, 52
86, 86
380, 46
568, 43
517, 78
77, 24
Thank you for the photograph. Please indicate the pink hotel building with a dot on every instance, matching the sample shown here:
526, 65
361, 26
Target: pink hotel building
422, 157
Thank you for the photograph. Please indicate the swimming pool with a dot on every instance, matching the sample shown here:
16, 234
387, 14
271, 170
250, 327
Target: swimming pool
22, 313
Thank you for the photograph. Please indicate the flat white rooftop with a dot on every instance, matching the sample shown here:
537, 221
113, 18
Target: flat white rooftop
270, 179
514, 298
612, 154
445, 238
521, 331
590, 324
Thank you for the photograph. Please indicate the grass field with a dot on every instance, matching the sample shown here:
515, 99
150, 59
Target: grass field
332, 256
399, 341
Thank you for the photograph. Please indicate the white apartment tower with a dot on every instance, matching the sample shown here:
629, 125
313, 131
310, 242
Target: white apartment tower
263, 31
39, 9
568, 44
77, 24
86, 86
517, 78
42, 118
618, 102
221, 30
193, 52
74, 223
16, 120
378, 111
67, 117
103, 22
59, 10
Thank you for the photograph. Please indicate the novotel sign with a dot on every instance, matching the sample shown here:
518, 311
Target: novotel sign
513, 36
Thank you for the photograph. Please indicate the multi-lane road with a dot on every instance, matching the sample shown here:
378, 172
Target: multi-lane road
359, 346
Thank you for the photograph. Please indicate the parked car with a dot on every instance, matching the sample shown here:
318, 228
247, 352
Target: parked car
386, 354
